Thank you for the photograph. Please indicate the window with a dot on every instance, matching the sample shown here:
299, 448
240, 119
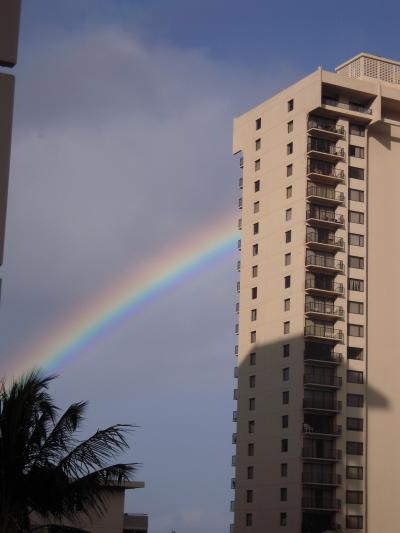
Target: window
356, 285
354, 448
256, 207
290, 126
255, 249
249, 519
356, 262
355, 353
252, 404
356, 217
289, 148
287, 282
284, 469
254, 293
252, 381
356, 240
354, 472
355, 376
253, 336
254, 271
356, 129
258, 144
250, 472
257, 164
288, 236
258, 123
288, 259
285, 421
284, 445
356, 173
251, 426
355, 400
252, 358
250, 449
356, 151
289, 170
285, 397
249, 496
355, 195
354, 496
286, 328
354, 522
256, 185
289, 191
354, 424
286, 304
283, 519
285, 374
253, 315
290, 105
256, 228
283, 494
286, 350
355, 330
356, 307
238, 286
288, 214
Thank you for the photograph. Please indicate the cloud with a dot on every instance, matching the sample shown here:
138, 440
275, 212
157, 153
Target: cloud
122, 149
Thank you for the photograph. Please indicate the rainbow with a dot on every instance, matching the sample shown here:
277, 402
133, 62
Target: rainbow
122, 299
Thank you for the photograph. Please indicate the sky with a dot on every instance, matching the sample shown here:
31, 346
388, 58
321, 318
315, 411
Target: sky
122, 150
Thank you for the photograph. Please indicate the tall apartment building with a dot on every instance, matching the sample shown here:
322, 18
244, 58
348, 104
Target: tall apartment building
318, 394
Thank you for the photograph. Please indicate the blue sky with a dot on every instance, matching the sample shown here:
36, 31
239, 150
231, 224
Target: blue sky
121, 145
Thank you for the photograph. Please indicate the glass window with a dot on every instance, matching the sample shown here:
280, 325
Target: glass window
252, 404
258, 123
286, 350
250, 472
283, 519
354, 448
289, 191
255, 249
354, 522
356, 285
284, 445
288, 259
252, 358
285, 374
354, 472
356, 216
253, 336
289, 148
356, 151
286, 328
289, 214
289, 170
287, 282
285, 421
283, 494
354, 496
251, 426
356, 262
355, 400
258, 144
290, 126
254, 293
256, 185
290, 105
355, 330
356, 173
356, 240
252, 381
253, 315
256, 228
357, 129
355, 353
355, 376
355, 195
284, 469
288, 236
257, 164
254, 271
355, 424
285, 397
250, 449
356, 307
286, 304
256, 207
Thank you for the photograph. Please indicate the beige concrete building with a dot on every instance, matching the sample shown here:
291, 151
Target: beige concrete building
318, 395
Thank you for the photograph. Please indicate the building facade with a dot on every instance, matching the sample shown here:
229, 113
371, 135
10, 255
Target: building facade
318, 396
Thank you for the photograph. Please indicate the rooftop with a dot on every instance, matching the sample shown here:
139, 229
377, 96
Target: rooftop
367, 66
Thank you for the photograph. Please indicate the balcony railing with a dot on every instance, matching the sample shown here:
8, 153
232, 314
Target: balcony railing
310, 430
328, 240
322, 478
318, 145
343, 105
329, 193
322, 404
324, 308
333, 357
327, 286
325, 262
326, 504
329, 454
325, 216
324, 332
314, 167
319, 379
325, 125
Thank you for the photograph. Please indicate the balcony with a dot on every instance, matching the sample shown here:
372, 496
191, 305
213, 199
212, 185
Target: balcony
324, 287
324, 241
325, 128
351, 106
332, 358
324, 150
325, 173
321, 478
310, 430
330, 454
324, 218
324, 309
322, 404
324, 264
320, 332
321, 504
325, 195
319, 380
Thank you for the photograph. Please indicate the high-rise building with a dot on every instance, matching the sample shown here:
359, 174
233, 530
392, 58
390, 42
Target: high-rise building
9, 26
318, 365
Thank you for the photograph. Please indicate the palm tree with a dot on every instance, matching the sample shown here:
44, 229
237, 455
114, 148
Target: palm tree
44, 468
